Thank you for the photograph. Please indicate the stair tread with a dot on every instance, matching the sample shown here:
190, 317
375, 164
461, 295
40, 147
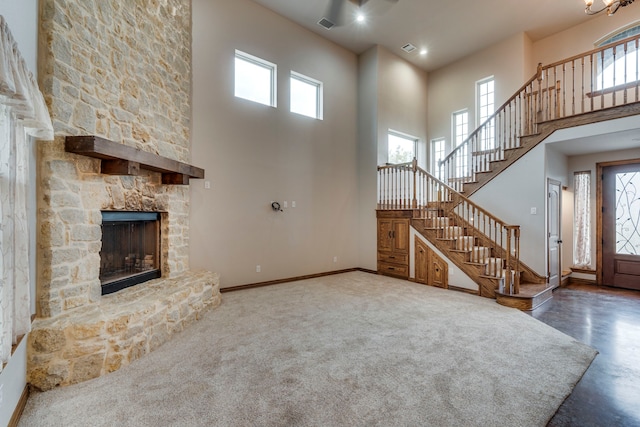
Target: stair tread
530, 290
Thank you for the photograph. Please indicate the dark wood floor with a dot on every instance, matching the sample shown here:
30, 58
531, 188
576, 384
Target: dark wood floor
608, 320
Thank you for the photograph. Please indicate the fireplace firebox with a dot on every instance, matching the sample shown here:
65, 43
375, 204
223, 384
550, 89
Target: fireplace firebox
130, 252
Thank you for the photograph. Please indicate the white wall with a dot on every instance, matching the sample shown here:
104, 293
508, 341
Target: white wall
254, 154
22, 18
581, 38
512, 194
392, 95
402, 102
367, 157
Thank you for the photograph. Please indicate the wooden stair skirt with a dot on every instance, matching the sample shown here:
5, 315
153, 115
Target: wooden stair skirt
530, 297
478, 262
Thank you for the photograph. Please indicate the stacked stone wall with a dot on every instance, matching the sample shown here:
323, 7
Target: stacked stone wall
120, 70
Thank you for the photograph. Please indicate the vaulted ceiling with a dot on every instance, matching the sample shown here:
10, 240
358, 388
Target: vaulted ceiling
449, 30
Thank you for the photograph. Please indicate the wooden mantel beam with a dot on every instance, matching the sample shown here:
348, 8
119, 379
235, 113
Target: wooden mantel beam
119, 159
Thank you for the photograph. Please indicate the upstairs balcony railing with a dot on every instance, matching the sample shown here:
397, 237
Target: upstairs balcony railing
602, 78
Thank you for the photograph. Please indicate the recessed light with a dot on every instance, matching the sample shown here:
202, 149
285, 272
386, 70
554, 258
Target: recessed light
360, 17
423, 52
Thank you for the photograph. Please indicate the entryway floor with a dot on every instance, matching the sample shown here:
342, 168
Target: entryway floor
607, 319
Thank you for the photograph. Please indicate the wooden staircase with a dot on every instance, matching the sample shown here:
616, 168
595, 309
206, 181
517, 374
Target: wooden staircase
480, 260
483, 246
565, 94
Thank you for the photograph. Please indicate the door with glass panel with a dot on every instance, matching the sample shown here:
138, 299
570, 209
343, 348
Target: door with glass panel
621, 226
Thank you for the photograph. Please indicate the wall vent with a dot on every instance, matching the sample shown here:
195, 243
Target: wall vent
326, 23
409, 48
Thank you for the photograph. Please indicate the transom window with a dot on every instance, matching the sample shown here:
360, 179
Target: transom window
620, 64
255, 79
306, 96
401, 147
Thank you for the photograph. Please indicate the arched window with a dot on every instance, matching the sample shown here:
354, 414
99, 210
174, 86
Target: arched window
619, 64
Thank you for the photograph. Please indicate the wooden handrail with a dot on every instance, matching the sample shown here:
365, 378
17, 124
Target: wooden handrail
493, 116
565, 88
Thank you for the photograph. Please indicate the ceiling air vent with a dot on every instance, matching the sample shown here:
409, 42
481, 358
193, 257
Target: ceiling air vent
326, 23
408, 48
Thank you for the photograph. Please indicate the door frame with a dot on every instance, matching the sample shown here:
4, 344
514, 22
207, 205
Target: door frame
559, 219
599, 172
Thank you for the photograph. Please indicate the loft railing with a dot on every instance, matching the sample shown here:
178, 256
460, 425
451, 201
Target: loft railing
602, 78
488, 240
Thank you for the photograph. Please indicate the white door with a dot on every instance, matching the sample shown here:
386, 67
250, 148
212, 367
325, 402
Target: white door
553, 227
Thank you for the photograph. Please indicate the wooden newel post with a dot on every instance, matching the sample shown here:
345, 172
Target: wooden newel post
516, 281
414, 165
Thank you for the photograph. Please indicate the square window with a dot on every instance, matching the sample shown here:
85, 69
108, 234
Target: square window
401, 148
306, 96
255, 79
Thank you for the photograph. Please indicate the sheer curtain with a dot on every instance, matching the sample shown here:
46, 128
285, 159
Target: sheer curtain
23, 115
582, 219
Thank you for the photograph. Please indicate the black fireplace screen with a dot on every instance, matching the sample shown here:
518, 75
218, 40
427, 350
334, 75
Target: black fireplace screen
130, 251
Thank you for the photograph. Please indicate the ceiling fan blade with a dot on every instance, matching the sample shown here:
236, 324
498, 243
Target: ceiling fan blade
334, 11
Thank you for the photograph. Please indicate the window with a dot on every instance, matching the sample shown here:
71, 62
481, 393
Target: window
306, 96
460, 134
485, 99
401, 148
255, 79
582, 219
616, 67
437, 155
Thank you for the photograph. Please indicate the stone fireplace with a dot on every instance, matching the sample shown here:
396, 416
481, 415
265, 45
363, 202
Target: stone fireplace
120, 71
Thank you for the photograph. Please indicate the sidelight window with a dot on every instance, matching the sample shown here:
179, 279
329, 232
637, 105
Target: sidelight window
582, 219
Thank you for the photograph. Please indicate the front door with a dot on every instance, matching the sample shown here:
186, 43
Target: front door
553, 227
621, 226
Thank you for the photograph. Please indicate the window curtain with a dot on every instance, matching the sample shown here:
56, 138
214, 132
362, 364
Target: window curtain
23, 115
582, 219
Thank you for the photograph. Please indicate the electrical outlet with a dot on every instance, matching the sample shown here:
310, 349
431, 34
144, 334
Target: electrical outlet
286, 205
293, 204
207, 185
335, 259
258, 269
534, 211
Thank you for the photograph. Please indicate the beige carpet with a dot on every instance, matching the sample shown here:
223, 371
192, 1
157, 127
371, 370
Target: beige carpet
345, 350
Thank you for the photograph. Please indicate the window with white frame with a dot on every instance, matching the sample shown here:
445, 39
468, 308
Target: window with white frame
460, 134
255, 79
437, 155
619, 64
486, 108
401, 147
582, 219
306, 96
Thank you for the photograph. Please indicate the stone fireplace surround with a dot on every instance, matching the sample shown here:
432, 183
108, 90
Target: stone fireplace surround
78, 333
121, 71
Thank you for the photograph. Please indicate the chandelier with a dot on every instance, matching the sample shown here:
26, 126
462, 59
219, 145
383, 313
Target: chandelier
611, 6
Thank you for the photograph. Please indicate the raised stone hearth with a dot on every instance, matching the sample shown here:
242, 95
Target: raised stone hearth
122, 327
120, 71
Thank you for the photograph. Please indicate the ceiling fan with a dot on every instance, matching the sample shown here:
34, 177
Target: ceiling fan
334, 16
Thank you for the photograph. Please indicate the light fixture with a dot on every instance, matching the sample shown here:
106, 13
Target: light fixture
611, 6
360, 17
423, 52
